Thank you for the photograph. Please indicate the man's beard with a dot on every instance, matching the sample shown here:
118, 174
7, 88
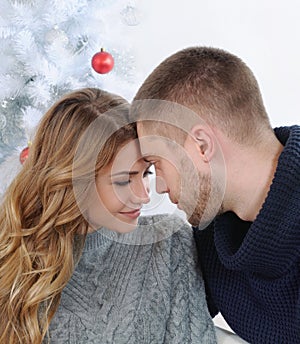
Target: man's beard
201, 197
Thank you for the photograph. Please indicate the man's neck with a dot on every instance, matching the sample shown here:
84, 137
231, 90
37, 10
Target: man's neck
250, 174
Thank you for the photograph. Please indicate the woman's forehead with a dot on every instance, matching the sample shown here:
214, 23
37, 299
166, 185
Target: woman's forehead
127, 157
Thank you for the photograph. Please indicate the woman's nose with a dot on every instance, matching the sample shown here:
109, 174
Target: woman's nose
141, 192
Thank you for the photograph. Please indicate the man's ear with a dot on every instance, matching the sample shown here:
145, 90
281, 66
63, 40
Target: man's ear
203, 137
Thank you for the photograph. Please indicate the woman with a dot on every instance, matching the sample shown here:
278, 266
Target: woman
84, 172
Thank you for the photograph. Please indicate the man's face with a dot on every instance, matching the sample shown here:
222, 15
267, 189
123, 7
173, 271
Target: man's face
176, 174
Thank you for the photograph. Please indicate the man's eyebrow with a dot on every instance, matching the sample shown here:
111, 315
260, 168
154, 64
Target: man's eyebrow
150, 159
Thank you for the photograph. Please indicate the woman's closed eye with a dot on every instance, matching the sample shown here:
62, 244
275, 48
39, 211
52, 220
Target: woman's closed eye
128, 181
122, 183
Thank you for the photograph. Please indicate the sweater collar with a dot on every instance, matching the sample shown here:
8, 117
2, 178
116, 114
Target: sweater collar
271, 243
100, 238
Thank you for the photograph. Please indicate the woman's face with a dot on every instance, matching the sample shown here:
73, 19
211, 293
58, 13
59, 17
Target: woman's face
122, 189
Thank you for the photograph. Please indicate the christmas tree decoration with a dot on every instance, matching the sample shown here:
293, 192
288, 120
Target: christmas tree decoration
55, 35
24, 155
2, 121
102, 62
130, 15
46, 49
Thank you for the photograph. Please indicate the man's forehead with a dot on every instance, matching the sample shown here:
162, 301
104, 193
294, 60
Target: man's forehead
144, 129
151, 144
155, 147
165, 112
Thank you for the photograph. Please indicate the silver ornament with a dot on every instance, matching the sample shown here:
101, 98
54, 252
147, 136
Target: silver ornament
56, 35
130, 15
2, 121
4, 104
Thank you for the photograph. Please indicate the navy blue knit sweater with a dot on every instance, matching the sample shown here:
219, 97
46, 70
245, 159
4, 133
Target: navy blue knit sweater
252, 269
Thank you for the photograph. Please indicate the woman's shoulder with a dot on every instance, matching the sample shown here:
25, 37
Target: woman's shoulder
162, 219
175, 249
168, 227
152, 229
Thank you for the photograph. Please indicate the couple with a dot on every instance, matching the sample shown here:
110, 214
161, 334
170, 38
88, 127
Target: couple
201, 122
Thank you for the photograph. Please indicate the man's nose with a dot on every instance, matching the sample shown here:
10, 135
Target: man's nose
161, 185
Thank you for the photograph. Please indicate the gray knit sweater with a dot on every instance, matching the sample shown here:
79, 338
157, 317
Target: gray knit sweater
128, 290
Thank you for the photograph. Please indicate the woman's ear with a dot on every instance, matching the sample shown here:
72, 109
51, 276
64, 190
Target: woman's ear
203, 137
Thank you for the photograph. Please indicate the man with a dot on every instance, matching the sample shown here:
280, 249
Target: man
203, 124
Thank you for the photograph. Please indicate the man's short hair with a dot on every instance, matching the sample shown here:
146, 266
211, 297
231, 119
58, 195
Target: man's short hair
216, 85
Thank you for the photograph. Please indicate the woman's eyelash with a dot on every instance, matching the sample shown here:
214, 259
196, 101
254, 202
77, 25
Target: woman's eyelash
126, 182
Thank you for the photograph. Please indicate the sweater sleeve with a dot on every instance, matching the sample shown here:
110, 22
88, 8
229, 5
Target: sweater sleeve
189, 320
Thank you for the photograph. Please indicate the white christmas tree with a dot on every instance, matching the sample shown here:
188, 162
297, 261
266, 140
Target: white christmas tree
46, 51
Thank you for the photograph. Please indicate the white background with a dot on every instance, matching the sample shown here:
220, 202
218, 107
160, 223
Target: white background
264, 33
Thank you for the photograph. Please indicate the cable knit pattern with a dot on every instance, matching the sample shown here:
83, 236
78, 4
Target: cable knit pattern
252, 270
122, 293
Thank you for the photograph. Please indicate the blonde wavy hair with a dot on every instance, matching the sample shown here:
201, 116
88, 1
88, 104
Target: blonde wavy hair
40, 221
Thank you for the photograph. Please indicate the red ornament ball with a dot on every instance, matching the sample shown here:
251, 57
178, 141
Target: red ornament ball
102, 62
24, 155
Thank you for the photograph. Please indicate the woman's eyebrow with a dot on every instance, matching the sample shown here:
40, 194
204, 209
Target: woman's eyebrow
125, 173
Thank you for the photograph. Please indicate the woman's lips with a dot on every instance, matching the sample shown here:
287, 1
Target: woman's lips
132, 214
